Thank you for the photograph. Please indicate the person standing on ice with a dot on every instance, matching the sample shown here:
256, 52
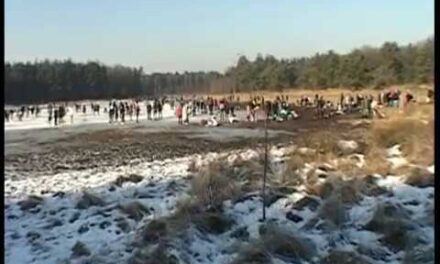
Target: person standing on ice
185, 112
179, 114
129, 109
122, 112
111, 112
149, 108
116, 109
50, 112
155, 109
56, 115
137, 109
159, 109
69, 112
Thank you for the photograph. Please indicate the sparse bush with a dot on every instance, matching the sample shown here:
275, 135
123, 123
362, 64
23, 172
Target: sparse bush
343, 257
130, 178
419, 255
333, 212
30, 202
134, 210
322, 142
213, 223
290, 176
415, 137
252, 254
420, 177
212, 186
376, 160
282, 244
322, 190
392, 221
87, 200
153, 231
154, 255
79, 250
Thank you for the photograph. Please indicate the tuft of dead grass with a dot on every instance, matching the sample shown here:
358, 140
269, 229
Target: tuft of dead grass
413, 130
393, 223
135, 210
323, 142
191, 213
79, 250
285, 245
155, 255
376, 160
251, 254
343, 257
30, 202
290, 175
420, 177
130, 178
153, 231
87, 200
333, 212
213, 185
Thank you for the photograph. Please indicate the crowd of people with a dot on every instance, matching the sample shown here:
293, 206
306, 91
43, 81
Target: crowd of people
224, 109
21, 112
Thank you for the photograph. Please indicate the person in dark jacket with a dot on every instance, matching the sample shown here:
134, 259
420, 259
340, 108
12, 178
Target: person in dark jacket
122, 111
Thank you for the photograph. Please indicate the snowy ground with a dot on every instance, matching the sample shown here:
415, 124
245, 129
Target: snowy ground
44, 231
105, 205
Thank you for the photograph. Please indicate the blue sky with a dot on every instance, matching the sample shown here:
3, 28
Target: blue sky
179, 35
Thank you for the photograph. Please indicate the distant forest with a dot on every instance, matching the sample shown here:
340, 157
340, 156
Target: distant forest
43, 81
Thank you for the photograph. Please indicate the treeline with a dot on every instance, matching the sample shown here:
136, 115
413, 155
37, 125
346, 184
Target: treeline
66, 80
364, 67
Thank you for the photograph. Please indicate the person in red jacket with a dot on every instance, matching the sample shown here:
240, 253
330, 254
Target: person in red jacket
179, 114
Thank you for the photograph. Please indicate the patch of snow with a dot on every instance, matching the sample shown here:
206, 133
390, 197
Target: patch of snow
347, 145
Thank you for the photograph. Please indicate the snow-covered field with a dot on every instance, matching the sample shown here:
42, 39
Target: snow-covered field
95, 216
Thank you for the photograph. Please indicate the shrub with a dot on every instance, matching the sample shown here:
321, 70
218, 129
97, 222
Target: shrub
343, 257
134, 210
30, 202
392, 221
130, 178
281, 243
212, 186
87, 200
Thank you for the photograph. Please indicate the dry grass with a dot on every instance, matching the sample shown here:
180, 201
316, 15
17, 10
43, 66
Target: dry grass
290, 175
343, 257
413, 130
283, 244
190, 213
30, 202
376, 160
420, 177
252, 254
393, 223
80, 250
130, 178
275, 242
154, 255
213, 185
333, 212
87, 200
135, 210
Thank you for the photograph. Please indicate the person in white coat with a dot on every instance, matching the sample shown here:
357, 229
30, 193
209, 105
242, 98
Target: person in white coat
185, 113
69, 113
